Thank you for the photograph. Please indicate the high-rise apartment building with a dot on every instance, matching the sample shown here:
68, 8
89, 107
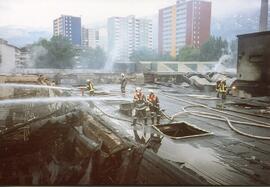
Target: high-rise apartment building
167, 30
69, 27
185, 23
85, 37
127, 34
95, 37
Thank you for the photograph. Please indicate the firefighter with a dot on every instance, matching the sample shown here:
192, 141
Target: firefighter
53, 83
218, 87
140, 106
153, 102
90, 87
123, 83
41, 79
223, 89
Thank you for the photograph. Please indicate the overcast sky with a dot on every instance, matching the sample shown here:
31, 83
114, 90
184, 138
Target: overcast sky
39, 14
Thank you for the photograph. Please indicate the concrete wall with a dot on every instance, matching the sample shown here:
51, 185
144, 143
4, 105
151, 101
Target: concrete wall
79, 76
254, 57
175, 66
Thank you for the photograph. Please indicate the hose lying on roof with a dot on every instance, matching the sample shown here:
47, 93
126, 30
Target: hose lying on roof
221, 117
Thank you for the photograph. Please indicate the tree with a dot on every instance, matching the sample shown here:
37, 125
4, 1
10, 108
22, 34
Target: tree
188, 53
92, 58
143, 54
213, 49
146, 54
233, 52
58, 52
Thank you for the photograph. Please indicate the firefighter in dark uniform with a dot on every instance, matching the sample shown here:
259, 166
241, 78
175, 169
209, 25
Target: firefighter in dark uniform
140, 106
123, 83
90, 87
153, 102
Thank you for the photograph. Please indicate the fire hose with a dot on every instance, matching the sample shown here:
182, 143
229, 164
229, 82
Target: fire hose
222, 118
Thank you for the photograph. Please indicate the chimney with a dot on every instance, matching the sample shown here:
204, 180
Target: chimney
263, 15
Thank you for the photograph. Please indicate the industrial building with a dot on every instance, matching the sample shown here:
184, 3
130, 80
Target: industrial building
253, 73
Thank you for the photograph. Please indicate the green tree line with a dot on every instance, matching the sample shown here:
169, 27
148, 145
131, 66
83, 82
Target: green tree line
211, 50
58, 52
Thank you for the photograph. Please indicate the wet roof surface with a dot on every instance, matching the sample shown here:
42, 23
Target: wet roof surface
225, 157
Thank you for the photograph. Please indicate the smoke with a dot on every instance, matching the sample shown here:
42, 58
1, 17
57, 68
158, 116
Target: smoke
37, 53
112, 56
225, 64
222, 64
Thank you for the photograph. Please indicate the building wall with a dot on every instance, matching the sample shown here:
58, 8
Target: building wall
85, 37
181, 24
199, 22
103, 38
76, 30
189, 23
204, 28
69, 27
160, 31
254, 57
7, 57
92, 38
127, 34
166, 32
173, 40
186, 23
175, 66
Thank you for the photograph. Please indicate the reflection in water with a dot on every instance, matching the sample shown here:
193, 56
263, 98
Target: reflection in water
139, 139
204, 161
153, 142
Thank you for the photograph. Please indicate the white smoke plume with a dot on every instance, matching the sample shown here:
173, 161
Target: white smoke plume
37, 52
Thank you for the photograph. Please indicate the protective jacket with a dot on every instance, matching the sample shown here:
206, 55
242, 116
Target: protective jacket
153, 100
218, 85
90, 87
139, 100
123, 82
123, 85
222, 87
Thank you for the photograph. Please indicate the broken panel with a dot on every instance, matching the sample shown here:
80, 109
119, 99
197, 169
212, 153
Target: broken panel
181, 130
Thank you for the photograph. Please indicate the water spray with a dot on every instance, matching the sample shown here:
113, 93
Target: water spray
13, 85
46, 100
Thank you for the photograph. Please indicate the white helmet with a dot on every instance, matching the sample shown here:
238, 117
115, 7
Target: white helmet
122, 74
138, 89
88, 80
151, 91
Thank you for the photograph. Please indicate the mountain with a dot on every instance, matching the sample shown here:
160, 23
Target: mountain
23, 35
